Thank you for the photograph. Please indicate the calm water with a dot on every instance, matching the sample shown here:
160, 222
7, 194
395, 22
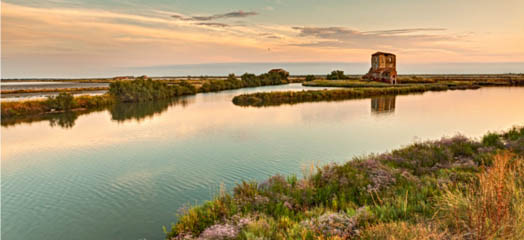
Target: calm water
123, 173
18, 85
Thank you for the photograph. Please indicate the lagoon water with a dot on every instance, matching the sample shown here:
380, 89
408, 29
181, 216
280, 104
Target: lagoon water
26, 85
123, 173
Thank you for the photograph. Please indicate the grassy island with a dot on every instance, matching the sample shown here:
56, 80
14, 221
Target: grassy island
414, 81
453, 188
292, 97
246, 80
64, 102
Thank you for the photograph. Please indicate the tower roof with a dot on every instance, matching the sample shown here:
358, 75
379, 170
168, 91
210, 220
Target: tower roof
382, 53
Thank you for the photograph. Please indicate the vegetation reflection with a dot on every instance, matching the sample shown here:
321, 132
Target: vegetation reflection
139, 111
119, 111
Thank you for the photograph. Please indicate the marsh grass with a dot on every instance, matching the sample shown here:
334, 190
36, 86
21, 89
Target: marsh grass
345, 83
453, 188
63, 102
491, 208
403, 231
293, 97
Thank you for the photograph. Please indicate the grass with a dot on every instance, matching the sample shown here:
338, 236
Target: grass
493, 207
453, 188
345, 83
453, 81
414, 81
36, 107
292, 97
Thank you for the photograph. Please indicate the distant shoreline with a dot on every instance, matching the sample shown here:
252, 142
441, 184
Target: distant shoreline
292, 76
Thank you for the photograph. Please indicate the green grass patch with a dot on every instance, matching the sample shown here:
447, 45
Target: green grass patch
293, 97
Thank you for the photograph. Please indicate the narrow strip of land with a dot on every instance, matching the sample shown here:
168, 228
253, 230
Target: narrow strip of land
354, 89
47, 90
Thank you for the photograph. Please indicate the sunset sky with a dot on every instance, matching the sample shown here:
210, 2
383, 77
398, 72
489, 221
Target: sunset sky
88, 38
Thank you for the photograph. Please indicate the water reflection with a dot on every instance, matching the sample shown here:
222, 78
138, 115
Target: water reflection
383, 104
63, 120
142, 110
120, 112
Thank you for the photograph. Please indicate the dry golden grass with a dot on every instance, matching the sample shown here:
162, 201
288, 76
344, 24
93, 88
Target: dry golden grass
402, 231
493, 208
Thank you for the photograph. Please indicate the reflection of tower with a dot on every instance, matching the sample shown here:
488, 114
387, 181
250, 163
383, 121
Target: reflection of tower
383, 104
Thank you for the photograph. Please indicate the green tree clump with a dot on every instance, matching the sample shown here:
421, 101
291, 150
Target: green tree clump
63, 102
141, 90
310, 78
246, 80
336, 75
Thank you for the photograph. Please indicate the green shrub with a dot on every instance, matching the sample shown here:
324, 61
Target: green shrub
141, 90
492, 140
336, 75
64, 101
246, 80
310, 78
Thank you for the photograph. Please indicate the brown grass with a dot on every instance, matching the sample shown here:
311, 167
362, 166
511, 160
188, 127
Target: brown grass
493, 208
402, 231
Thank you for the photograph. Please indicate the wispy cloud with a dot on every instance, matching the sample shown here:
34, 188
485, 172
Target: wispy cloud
394, 39
235, 14
212, 24
404, 31
343, 33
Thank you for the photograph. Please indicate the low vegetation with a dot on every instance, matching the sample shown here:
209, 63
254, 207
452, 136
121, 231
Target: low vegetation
62, 102
309, 78
347, 83
336, 75
292, 97
246, 80
453, 188
141, 90
137, 90
413, 81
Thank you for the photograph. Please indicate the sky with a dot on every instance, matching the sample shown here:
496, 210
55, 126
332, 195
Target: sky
96, 38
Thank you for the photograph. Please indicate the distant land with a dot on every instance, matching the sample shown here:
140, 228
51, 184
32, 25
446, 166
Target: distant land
295, 68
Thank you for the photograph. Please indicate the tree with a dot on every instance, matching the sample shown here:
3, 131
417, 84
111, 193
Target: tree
310, 78
336, 75
64, 101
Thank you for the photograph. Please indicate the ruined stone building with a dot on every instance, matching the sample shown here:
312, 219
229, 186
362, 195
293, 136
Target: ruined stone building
383, 68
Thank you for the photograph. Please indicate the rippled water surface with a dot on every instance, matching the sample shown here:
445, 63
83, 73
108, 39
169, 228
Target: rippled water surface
122, 173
